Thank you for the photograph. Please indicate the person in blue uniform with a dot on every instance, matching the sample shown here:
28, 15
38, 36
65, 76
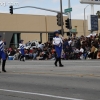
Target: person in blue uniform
21, 46
2, 54
57, 42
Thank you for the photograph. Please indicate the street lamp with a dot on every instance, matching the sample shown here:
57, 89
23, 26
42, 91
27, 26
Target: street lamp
84, 21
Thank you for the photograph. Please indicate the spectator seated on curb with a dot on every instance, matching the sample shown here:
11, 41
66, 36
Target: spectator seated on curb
98, 54
16, 56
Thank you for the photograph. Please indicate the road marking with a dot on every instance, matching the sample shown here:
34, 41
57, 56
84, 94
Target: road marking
30, 65
39, 94
68, 61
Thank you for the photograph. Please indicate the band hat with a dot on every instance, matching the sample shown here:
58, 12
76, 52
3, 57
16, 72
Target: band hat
21, 40
57, 32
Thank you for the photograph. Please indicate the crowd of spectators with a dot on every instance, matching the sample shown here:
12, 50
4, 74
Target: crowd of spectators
73, 48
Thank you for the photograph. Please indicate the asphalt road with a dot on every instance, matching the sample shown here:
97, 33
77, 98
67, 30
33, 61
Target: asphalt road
41, 80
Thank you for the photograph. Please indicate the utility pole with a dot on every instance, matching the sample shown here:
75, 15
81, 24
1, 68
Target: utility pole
85, 21
61, 18
92, 12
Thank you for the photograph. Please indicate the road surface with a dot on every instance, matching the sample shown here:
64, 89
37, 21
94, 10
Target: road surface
41, 80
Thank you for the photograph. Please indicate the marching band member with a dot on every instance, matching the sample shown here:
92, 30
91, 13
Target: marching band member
2, 54
21, 46
57, 42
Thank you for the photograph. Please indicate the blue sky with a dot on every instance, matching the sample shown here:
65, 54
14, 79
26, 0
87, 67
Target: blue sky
77, 13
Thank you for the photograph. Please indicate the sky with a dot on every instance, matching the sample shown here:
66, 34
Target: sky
77, 7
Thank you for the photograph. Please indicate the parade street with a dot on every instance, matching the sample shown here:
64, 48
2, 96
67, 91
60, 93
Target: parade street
41, 80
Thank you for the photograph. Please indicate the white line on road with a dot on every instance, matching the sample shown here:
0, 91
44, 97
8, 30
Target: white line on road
92, 61
39, 94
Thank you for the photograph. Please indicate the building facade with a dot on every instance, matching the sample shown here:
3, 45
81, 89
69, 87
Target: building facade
34, 27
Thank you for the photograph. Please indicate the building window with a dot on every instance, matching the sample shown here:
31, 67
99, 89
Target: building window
12, 42
50, 36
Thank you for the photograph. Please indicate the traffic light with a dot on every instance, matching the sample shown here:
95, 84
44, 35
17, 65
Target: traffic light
59, 19
60, 31
98, 14
69, 34
11, 9
67, 23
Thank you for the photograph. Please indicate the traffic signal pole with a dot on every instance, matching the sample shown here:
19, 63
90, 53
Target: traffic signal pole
61, 18
40, 9
69, 15
48, 10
